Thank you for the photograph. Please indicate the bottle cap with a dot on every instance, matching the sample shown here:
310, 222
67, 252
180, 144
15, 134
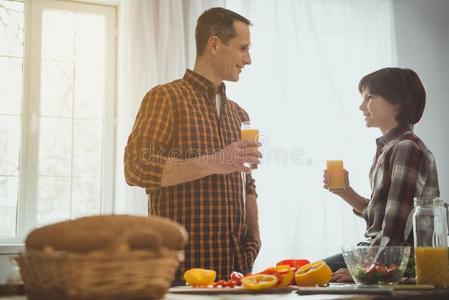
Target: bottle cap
437, 201
420, 201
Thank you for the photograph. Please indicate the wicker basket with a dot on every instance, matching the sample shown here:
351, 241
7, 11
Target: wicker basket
139, 274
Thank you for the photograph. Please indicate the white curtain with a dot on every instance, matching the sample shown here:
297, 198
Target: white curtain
156, 45
301, 91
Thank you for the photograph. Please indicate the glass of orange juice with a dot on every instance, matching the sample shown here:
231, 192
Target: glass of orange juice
336, 174
249, 133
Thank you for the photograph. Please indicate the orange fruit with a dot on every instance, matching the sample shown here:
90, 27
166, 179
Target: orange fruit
259, 281
316, 273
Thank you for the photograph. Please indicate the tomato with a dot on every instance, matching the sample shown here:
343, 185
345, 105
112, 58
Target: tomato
392, 268
378, 268
259, 281
231, 283
317, 273
381, 269
218, 283
236, 277
371, 269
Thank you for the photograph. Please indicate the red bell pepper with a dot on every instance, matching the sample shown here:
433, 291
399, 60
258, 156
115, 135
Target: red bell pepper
294, 265
284, 274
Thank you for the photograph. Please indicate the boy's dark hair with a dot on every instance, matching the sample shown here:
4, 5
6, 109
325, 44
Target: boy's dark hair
399, 87
217, 21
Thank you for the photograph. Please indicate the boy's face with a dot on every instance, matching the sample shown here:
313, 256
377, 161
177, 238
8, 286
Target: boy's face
378, 112
231, 58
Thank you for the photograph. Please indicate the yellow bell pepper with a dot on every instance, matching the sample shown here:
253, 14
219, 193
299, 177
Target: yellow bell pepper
286, 275
259, 281
197, 277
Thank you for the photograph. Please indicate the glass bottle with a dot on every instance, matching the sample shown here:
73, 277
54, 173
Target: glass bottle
430, 237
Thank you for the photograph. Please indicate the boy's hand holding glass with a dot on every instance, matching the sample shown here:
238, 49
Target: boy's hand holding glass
335, 177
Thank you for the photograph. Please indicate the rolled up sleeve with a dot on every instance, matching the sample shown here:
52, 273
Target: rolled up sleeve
251, 248
149, 142
250, 185
363, 214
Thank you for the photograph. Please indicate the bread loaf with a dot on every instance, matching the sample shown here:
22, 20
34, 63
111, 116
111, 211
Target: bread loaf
103, 232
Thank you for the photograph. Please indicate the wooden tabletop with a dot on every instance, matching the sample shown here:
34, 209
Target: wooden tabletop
331, 292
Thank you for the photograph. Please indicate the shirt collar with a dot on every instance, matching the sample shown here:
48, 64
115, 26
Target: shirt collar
393, 134
202, 84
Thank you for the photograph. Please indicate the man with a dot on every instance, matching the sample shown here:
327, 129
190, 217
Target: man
185, 150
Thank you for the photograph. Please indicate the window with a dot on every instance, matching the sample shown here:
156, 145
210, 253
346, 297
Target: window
57, 96
11, 61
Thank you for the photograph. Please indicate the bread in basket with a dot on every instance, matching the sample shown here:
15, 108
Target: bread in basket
102, 257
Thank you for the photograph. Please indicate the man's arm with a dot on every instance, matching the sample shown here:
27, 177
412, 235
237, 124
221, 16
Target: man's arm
351, 197
252, 242
178, 171
148, 163
149, 141
252, 217
229, 160
252, 212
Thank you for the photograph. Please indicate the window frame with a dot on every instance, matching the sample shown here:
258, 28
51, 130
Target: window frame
26, 212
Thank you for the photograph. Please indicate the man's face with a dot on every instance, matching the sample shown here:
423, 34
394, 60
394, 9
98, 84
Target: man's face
231, 58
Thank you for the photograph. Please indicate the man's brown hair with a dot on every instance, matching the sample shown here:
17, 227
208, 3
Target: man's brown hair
399, 87
219, 22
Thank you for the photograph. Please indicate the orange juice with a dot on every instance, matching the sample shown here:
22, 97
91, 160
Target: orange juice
432, 266
336, 174
249, 135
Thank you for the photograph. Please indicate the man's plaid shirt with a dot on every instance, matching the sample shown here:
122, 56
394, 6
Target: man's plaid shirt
180, 119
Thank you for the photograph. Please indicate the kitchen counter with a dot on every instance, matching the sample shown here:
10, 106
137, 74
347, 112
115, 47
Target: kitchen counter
292, 296
437, 294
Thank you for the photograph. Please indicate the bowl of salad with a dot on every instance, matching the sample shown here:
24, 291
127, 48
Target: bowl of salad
374, 265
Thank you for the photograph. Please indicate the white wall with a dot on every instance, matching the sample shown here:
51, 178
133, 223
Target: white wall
422, 33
